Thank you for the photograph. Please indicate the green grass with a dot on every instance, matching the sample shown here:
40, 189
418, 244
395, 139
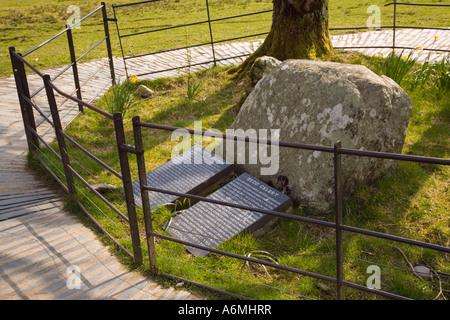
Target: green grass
411, 202
397, 66
25, 25
120, 97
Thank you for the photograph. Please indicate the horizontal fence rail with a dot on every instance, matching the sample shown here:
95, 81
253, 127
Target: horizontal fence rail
374, 154
302, 219
418, 4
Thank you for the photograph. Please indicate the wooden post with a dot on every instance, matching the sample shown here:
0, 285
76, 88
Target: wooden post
23, 92
73, 59
338, 218
59, 136
127, 186
108, 43
144, 194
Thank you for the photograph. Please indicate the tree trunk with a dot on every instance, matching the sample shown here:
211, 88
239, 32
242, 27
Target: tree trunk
299, 31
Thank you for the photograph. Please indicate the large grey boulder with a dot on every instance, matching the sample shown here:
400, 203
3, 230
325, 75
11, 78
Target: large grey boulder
320, 103
262, 67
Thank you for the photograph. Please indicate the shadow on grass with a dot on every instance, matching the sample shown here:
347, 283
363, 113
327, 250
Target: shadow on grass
185, 112
394, 191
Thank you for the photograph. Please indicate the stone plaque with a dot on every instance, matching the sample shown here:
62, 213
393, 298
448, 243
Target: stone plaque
190, 172
209, 224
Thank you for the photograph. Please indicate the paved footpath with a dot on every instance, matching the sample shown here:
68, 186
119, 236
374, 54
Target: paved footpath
41, 244
414, 38
425, 38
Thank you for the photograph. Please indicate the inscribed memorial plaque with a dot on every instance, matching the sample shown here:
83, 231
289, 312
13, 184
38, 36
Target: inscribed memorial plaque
190, 172
210, 224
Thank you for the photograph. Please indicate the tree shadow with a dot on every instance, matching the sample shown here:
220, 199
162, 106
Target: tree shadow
184, 112
396, 190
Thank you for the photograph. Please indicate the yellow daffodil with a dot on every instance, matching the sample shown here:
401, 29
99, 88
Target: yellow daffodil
405, 57
133, 79
419, 48
436, 37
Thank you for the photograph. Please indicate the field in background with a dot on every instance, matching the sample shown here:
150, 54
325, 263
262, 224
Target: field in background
25, 25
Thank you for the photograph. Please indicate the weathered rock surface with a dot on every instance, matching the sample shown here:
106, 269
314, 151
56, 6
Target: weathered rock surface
320, 103
144, 92
262, 67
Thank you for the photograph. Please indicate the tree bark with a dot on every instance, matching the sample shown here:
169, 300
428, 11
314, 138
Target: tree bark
299, 31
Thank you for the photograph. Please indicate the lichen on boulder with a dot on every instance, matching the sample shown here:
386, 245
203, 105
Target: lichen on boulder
320, 103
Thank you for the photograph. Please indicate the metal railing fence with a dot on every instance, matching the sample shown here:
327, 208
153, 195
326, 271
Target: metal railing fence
35, 140
212, 40
209, 22
74, 59
394, 28
338, 226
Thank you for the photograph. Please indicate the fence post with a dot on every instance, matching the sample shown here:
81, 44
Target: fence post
338, 218
108, 43
20, 78
59, 136
73, 60
144, 194
120, 41
394, 26
210, 33
128, 188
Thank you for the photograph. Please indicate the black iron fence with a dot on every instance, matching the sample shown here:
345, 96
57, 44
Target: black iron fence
210, 21
69, 174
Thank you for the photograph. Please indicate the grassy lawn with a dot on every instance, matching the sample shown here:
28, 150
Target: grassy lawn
411, 202
27, 24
